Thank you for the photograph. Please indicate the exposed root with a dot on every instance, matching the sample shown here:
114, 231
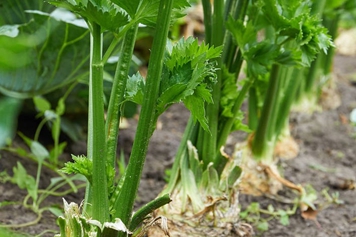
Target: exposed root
152, 227
285, 182
210, 207
182, 229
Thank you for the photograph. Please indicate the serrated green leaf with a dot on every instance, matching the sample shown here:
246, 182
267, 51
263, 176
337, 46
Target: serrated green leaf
239, 125
259, 57
196, 106
173, 94
135, 88
243, 35
129, 6
289, 58
105, 14
187, 76
203, 92
180, 74
146, 11
273, 13
229, 93
81, 165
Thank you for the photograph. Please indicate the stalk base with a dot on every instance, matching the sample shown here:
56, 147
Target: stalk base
286, 148
330, 97
255, 181
220, 217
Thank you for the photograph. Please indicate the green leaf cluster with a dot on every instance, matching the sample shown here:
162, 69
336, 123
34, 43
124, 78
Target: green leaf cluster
187, 77
84, 166
146, 11
293, 37
103, 13
111, 15
293, 20
81, 165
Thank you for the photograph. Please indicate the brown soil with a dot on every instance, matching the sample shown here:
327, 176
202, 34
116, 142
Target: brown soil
326, 159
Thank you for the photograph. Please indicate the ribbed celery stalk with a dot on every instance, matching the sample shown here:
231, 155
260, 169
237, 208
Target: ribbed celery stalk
146, 121
264, 138
208, 151
96, 130
118, 93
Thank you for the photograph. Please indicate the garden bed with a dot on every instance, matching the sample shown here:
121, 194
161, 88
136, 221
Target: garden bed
327, 158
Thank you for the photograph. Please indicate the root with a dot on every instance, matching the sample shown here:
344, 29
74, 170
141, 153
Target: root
284, 181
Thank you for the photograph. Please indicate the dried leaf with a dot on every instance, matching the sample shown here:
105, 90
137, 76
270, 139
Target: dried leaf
310, 214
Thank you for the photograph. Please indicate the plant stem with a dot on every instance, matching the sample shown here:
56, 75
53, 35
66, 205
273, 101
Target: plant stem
96, 129
142, 213
252, 109
190, 130
207, 19
117, 39
208, 149
124, 202
118, 94
263, 141
224, 132
38, 176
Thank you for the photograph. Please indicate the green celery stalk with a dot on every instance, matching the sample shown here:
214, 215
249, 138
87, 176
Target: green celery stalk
96, 130
208, 147
118, 93
263, 143
126, 197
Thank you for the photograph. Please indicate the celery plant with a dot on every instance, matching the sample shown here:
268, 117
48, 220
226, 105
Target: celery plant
292, 38
177, 72
319, 74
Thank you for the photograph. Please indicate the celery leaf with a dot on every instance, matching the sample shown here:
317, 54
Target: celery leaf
146, 11
104, 13
135, 88
81, 165
187, 76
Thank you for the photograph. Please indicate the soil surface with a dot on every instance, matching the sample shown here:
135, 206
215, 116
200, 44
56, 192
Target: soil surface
327, 159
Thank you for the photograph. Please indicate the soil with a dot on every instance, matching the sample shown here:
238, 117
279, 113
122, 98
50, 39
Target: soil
326, 160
